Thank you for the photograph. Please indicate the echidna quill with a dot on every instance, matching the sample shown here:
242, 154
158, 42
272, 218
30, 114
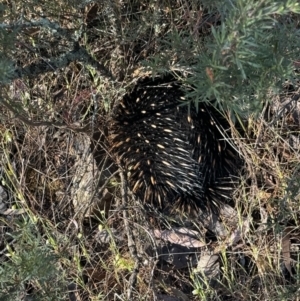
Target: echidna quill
175, 157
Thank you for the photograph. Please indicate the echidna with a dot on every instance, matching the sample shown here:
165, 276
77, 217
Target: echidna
175, 156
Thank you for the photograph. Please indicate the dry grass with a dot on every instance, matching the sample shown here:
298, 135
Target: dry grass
64, 195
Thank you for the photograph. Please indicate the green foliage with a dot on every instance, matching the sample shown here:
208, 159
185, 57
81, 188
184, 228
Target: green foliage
6, 69
31, 264
248, 55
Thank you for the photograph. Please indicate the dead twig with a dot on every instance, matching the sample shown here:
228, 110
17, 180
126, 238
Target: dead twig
131, 243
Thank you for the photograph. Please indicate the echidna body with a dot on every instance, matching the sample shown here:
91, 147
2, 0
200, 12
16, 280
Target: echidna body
175, 157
